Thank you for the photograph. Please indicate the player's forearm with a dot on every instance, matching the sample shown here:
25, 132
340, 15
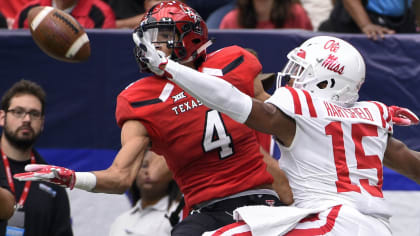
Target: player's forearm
357, 12
109, 183
402, 159
125, 167
214, 92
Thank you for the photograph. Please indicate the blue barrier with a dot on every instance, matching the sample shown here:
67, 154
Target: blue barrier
81, 132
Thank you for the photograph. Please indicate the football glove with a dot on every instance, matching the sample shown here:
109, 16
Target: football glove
147, 54
402, 116
138, 53
48, 173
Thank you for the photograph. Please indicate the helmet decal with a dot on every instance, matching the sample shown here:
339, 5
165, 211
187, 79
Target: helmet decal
332, 64
301, 53
332, 45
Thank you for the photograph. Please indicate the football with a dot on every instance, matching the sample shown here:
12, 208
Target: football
58, 34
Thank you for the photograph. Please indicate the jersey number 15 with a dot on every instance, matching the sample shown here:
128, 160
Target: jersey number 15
358, 131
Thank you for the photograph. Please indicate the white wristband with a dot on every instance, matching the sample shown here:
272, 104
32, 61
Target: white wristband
214, 92
85, 181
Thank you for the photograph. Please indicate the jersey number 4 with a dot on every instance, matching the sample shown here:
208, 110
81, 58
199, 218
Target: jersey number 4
216, 135
358, 131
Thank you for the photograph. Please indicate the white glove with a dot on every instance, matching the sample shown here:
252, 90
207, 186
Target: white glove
48, 173
155, 60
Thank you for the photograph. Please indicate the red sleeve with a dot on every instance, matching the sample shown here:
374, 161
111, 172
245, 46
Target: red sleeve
247, 72
239, 67
123, 111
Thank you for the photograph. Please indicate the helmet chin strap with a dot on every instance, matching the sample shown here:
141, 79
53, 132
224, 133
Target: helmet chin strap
199, 50
340, 92
350, 99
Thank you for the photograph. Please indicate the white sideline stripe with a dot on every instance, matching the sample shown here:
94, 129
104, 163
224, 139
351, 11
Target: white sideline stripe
40, 17
75, 47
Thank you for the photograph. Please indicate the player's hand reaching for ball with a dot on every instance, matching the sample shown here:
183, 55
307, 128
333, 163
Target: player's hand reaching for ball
48, 173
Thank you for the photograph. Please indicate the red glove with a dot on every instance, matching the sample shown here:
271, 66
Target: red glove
53, 174
402, 116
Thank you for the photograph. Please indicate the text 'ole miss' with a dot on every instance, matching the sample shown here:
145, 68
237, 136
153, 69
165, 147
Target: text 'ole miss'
331, 64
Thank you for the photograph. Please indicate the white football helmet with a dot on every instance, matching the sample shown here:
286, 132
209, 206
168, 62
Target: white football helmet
328, 67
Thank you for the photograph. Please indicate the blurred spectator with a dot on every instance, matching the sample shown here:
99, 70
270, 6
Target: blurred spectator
375, 18
206, 7
266, 14
215, 18
155, 196
10, 8
89, 13
3, 22
416, 8
42, 208
128, 13
317, 10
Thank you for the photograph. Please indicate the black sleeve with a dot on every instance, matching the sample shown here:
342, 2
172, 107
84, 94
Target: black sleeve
61, 225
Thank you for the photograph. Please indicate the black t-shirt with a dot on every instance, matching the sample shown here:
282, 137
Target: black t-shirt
47, 208
3, 184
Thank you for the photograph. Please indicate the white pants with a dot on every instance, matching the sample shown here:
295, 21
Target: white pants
341, 220
337, 220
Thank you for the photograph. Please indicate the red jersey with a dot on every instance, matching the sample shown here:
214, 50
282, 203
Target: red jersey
210, 155
89, 13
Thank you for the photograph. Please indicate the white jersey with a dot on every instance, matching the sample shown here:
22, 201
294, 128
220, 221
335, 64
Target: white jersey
337, 152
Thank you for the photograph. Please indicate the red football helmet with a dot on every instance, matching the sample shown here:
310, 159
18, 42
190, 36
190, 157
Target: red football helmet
185, 23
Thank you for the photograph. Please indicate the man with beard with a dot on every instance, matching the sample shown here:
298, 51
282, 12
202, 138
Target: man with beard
41, 208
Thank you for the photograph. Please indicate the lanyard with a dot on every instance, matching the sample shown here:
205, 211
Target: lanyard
10, 180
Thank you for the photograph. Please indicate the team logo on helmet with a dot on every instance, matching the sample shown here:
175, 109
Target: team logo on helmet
331, 63
332, 45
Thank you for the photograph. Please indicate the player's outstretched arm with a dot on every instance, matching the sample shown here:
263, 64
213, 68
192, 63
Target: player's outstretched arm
402, 159
218, 94
116, 179
121, 174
